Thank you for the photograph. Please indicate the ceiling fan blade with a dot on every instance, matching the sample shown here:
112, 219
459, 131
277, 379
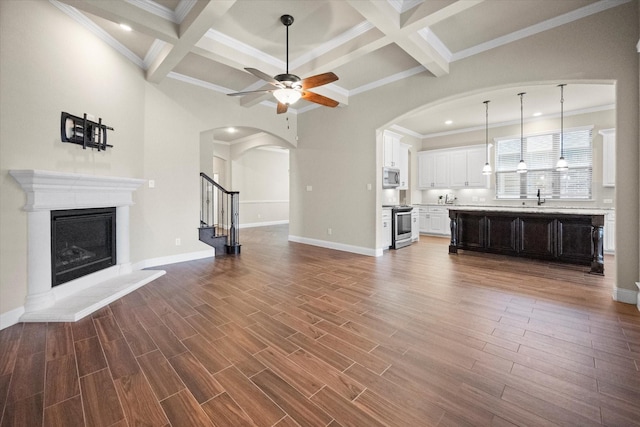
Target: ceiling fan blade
319, 99
318, 80
250, 91
282, 108
264, 76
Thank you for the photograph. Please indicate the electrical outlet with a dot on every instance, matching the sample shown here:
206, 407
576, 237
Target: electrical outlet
152, 183
309, 188
608, 200
178, 241
259, 216
369, 187
329, 231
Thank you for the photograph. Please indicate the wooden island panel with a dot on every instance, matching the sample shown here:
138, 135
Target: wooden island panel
571, 238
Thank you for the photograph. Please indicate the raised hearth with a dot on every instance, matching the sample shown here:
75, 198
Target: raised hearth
49, 191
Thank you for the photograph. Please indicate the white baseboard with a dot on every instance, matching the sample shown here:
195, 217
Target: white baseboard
172, 259
264, 224
336, 246
627, 296
10, 318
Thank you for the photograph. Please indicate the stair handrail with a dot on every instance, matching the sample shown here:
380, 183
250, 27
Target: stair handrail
233, 245
220, 187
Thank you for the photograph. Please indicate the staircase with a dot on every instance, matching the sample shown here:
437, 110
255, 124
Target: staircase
219, 217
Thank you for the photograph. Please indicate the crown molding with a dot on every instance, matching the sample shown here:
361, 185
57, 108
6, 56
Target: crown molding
184, 7
433, 40
153, 52
390, 79
243, 48
81, 19
401, 6
341, 39
549, 24
517, 121
155, 8
198, 82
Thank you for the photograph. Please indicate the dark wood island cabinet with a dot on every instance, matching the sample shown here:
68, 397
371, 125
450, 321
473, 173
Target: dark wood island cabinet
575, 238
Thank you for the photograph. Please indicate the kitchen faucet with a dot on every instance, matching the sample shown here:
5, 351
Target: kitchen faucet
540, 201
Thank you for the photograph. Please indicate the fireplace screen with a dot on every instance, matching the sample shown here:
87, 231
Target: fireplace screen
82, 241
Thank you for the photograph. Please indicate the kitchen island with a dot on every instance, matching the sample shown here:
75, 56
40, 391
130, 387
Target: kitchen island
564, 235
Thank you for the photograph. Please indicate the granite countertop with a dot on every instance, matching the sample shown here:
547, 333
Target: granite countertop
566, 210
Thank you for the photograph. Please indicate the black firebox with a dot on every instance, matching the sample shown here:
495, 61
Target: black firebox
83, 241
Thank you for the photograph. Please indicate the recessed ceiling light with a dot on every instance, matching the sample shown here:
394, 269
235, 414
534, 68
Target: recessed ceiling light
537, 114
125, 27
231, 130
448, 122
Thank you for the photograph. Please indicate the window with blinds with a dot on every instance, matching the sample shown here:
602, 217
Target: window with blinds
541, 152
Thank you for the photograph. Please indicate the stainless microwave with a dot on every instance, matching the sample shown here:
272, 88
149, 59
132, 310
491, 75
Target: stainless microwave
390, 177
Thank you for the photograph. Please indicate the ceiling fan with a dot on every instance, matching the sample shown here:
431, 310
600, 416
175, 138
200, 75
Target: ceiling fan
289, 88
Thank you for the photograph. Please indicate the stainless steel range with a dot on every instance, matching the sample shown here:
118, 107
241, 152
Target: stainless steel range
401, 226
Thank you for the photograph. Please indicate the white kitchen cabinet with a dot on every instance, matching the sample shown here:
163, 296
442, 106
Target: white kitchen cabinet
391, 149
434, 220
403, 165
423, 219
438, 221
608, 157
433, 169
452, 168
610, 232
386, 228
466, 168
415, 225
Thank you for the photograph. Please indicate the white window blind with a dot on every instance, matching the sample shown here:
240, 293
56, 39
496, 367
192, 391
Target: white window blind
541, 153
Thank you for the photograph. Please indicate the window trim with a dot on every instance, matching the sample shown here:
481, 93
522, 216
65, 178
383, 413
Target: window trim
555, 187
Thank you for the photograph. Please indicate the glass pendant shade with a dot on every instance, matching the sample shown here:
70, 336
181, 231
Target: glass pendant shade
486, 170
287, 96
562, 165
522, 167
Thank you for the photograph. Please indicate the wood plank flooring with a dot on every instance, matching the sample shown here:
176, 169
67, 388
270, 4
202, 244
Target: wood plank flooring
293, 335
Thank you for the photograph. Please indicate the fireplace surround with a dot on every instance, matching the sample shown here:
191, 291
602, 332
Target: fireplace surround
49, 191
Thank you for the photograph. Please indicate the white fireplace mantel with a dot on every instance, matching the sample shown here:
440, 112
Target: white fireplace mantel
47, 191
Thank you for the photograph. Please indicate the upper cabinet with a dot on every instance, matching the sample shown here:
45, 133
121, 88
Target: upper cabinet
433, 169
396, 155
403, 165
608, 157
452, 168
391, 149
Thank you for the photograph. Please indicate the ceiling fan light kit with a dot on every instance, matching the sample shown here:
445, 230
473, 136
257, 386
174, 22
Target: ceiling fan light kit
290, 88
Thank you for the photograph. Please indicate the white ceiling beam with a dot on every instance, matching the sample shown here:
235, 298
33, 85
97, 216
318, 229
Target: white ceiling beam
425, 15
388, 21
194, 26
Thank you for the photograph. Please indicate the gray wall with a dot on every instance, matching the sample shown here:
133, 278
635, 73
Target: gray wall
158, 131
599, 48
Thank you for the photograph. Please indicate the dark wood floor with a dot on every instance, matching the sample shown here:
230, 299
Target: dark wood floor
288, 334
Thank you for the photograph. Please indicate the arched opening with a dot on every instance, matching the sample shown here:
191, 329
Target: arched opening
256, 164
458, 121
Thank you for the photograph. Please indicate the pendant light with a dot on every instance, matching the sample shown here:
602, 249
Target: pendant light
486, 170
522, 166
562, 164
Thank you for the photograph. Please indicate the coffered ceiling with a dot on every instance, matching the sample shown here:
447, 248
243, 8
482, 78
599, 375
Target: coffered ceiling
367, 43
